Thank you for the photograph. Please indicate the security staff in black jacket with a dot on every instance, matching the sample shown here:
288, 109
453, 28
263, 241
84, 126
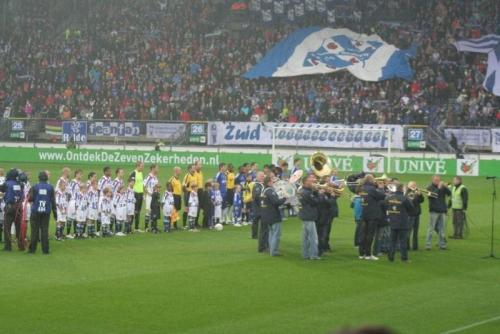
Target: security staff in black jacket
397, 208
270, 214
42, 197
371, 194
258, 233
13, 195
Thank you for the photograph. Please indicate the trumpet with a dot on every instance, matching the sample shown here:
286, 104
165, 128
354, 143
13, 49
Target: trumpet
425, 192
329, 188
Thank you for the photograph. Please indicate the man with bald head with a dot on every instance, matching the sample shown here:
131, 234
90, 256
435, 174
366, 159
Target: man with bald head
177, 190
256, 221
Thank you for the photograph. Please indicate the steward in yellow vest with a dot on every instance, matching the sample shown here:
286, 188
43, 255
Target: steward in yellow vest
458, 202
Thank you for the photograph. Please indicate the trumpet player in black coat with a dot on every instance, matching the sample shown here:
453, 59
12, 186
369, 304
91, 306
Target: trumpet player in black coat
416, 198
397, 208
371, 194
327, 210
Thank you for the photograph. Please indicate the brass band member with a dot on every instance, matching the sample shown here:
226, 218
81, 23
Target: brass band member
397, 207
372, 213
270, 214
310, 201
437, 212
327, 211
458, 203
414, 195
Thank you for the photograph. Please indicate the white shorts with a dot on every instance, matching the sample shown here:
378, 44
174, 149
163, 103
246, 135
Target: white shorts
72, 210
121, 213
130, 209
61, 217
81, 216
92, 215
147, 201
218, 212
105, 219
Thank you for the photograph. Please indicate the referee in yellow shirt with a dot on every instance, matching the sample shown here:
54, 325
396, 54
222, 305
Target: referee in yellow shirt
189, 179
138, 176
229, 194
177, 191
199, 181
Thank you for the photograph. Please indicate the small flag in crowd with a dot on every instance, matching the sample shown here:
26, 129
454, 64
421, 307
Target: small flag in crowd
489, 44
53, 127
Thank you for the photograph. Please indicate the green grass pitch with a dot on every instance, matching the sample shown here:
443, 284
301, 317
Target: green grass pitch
216, 282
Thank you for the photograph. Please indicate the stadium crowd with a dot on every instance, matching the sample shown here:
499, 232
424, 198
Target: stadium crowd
166, 60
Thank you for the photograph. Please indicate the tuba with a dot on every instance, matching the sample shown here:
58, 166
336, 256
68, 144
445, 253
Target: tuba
320, 164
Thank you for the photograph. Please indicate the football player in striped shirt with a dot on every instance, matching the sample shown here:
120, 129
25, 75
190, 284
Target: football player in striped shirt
93, 209
82, 205
64, 179
115, 185
104, 182
120, 201
62, 209
149, 184
130, 195
73, 189
105, 210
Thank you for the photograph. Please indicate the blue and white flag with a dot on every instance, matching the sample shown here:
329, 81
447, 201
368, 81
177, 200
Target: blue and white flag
489, 44
325, 50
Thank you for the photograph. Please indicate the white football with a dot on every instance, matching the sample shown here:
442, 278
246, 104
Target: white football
219, 227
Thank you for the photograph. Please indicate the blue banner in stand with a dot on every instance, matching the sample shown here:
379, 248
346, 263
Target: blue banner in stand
76, 130
114, 129
364, 136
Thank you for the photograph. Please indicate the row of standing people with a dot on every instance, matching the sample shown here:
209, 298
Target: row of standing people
392, 219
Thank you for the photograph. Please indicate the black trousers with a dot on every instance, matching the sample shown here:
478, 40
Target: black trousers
368, 228
208, 214
255, 227
185, 214
177, 206
263, 237
399, 236
40, 231
413, 232
13, 215
328, 233
138, 207
200, 194
458, 223
322, 231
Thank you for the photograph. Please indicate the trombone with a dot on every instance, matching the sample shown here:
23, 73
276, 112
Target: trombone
427, 193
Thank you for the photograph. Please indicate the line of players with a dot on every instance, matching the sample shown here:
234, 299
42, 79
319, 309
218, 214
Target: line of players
106, 206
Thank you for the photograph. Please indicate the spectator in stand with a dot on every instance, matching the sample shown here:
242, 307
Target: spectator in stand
132, 59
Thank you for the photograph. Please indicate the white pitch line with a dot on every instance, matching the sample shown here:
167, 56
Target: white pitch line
456, 330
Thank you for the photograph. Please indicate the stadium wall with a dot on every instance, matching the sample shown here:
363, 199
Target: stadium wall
119, 156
